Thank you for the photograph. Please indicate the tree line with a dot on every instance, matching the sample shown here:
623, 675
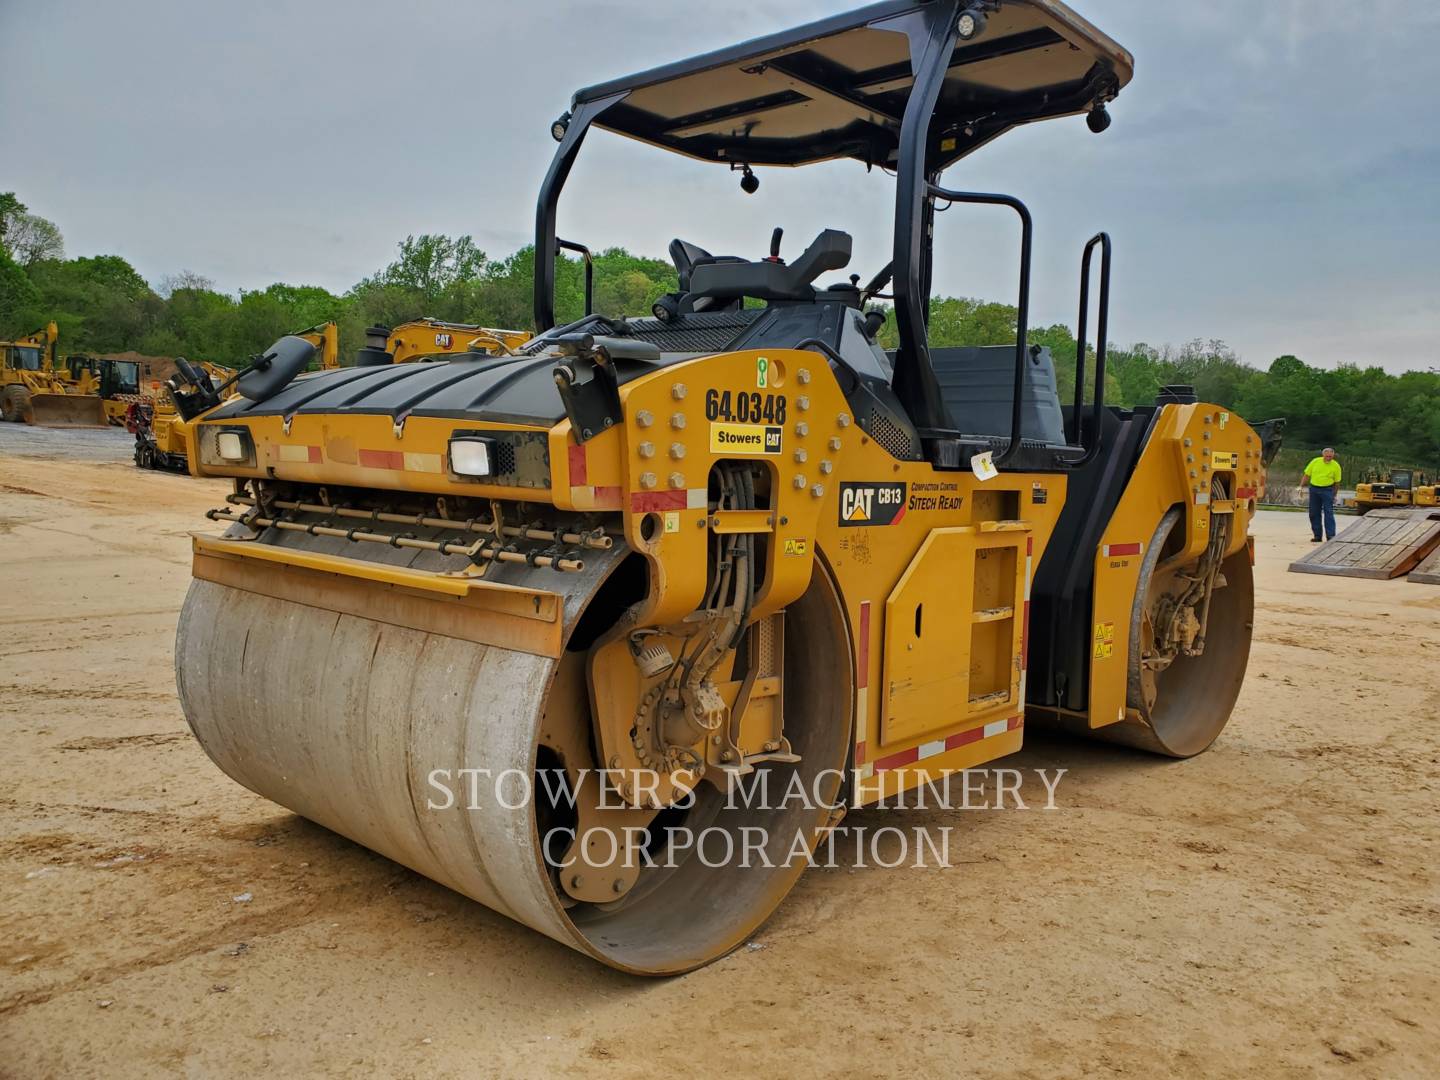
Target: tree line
102, 305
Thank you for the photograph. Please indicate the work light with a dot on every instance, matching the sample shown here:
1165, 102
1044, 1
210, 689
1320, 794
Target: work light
231, 446
472, 456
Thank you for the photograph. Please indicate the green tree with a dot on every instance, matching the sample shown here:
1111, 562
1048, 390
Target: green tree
430, 264
10, 209
18, 298
28, 237
100, 303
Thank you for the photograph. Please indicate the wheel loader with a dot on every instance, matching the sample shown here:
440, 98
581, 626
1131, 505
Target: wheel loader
527, 625
34, 391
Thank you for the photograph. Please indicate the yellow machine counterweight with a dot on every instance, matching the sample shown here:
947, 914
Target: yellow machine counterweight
527, 622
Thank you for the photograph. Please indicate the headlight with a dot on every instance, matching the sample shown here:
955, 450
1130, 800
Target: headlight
231, 446
228, 446
472, 456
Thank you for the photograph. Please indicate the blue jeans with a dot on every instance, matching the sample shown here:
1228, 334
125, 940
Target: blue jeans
1322, 505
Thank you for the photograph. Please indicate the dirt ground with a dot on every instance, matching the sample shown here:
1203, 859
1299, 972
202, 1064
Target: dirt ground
1268, 909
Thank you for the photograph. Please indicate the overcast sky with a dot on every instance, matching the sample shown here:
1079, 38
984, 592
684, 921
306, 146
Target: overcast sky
1270, 177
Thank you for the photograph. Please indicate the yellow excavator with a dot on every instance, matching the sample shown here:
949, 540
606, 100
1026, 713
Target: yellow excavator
610, 634
33, 390
326, 339
429, 339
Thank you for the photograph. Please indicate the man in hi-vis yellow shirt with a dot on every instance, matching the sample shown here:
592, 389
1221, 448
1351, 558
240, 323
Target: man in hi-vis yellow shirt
1322, 477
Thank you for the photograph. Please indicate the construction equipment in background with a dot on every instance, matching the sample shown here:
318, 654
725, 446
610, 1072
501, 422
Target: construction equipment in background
159, 435
432, 339
33, 391
529, 626
1426, 492
326, 339
115, 382
1393, 492
48, 339
1383, 544
157, 422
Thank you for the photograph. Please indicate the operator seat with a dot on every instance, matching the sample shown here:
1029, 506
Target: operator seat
686, 257
771, 279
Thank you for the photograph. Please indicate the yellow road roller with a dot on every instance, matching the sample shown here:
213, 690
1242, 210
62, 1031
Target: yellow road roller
527, 623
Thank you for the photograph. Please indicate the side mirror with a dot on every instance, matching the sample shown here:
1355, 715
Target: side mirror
273, 370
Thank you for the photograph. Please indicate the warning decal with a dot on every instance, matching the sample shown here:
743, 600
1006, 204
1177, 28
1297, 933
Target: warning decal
1104, 641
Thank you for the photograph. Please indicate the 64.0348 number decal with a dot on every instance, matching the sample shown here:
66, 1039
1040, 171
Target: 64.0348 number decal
744, 407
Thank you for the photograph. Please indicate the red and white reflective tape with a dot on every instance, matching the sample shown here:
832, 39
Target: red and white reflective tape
382, 459
579, 470
307, 455
583, 494
1115, 551
943, 746
596, 496
862, 690
401, 461
587, 496
642, 502
392, 460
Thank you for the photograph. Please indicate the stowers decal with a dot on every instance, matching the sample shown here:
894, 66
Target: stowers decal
745, 439
871, 504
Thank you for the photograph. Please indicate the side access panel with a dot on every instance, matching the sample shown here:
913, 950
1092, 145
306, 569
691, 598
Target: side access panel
954, 632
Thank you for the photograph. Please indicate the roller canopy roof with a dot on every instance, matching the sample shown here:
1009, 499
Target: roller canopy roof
838, 87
